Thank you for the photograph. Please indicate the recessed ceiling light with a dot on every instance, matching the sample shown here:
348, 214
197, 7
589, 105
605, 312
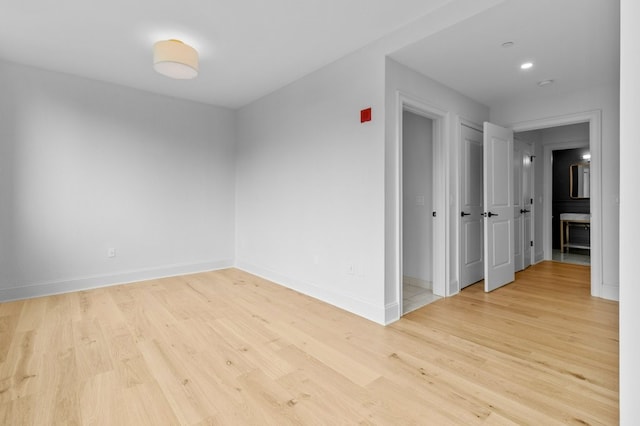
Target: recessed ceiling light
526, 65
507, 44
545, 82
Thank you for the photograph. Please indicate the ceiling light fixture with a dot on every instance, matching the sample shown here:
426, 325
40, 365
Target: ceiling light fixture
526, 65
175, 59
545, 82
586, 156
507, 44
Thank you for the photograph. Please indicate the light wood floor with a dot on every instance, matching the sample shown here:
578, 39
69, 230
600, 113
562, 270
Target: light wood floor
229, 348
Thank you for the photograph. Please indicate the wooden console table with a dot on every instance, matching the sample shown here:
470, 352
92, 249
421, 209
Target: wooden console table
565, 240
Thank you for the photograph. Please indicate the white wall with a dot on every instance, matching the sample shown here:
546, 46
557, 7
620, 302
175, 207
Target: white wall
629, 207
314, 173
570, 133
311, 181
400, 78
86, 166
310, 185
417, 187
597, 98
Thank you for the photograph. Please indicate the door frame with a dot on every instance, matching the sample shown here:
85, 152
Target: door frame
594, 118
547, 223
441, 121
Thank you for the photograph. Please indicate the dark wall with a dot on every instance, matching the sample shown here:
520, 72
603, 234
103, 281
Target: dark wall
562, 202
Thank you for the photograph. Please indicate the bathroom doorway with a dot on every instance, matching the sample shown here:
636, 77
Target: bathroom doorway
571, 210
417, 211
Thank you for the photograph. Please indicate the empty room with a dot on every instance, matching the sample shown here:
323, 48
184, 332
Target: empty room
318, 212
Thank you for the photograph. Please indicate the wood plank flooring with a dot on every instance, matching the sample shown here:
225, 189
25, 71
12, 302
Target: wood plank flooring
229, 348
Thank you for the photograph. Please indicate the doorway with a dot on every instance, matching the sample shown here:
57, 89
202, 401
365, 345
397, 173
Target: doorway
420, 203
591, 120
567, 239
417, 210
571, 212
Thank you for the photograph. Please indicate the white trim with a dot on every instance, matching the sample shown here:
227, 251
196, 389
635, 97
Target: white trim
391, 313
610, 291
97, 281
441, 120
352, 304
594, 118
472, 125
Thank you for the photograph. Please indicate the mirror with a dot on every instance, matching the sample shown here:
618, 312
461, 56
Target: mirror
579, 180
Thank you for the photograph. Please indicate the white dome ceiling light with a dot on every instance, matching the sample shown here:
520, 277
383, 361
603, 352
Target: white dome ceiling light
175, 59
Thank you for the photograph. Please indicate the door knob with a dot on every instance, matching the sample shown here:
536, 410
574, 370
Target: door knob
463, 214
492, 214
524, 211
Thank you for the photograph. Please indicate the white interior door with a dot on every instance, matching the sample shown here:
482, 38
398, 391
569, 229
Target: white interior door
471, 205
518, 208
523, 203
498, 207
527, 201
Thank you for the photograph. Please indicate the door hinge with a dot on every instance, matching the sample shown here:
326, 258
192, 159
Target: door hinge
531, 243
433, 214
531, 200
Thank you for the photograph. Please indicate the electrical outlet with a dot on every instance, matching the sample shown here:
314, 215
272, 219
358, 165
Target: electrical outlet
111, 252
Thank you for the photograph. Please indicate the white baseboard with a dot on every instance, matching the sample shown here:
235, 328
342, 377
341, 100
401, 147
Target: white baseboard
454, 288
351, 304
392, 313
417, 282
29, 291
610, 292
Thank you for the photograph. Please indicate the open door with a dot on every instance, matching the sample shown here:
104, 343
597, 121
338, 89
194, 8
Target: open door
527, 211
499, 266
522, 202
471, 205
518, 205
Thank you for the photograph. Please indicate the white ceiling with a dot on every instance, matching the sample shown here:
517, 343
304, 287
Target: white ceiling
574, 42
250, 48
